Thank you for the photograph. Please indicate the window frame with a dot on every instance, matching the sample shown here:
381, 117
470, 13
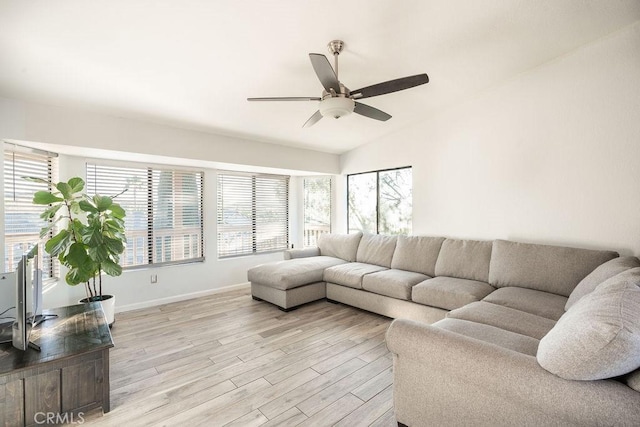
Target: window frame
377, 172
150, 252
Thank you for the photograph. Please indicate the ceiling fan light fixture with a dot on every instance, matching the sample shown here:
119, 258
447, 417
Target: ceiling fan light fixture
336, 107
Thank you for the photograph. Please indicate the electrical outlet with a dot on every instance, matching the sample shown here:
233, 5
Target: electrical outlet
154, 278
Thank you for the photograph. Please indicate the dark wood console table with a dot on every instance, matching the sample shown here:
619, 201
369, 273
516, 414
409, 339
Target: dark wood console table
70, 374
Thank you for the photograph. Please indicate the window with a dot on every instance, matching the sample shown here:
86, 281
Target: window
317, 209
380, 201
22, 222
253, 213
164, 212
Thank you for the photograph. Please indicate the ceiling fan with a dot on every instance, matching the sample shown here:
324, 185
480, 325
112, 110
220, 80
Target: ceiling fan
337, 100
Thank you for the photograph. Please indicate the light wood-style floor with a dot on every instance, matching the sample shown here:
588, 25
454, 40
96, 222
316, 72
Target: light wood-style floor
228, 360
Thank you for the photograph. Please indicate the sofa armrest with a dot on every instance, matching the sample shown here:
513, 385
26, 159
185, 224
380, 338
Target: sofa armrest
301, 253
441, 377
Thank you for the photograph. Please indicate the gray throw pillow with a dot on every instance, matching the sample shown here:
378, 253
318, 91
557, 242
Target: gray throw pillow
600, 274
599, 337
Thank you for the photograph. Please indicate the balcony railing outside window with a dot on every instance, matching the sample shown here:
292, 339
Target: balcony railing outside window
317, 208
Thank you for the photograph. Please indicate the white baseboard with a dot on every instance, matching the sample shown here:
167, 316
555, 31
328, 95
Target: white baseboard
176, 298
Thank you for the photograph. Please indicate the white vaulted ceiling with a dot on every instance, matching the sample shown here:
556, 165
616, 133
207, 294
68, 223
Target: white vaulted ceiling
192, 63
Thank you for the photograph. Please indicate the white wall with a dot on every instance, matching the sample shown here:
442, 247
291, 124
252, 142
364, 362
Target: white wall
132, 139
552, 155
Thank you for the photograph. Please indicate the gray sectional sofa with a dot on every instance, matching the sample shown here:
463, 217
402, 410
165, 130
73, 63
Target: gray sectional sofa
486, 332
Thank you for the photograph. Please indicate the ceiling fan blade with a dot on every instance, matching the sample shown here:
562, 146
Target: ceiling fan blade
313, 119
372, 113
325, 72
286, 98
390, 86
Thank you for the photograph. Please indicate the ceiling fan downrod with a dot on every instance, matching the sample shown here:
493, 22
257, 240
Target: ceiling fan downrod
335, 47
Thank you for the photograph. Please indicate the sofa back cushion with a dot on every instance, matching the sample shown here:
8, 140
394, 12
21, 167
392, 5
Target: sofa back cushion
600, 274
343, 246
599, 337
554, 269
376, 249
465, 259
417, 253
633, 379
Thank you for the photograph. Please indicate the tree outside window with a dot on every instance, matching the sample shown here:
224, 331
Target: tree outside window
380, 201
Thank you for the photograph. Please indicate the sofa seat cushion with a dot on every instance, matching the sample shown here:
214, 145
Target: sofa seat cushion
350, 274
505, 318
292, 273
599, 337
531, 301
392, 283
603, 272
449, 292
487, 333
554, 269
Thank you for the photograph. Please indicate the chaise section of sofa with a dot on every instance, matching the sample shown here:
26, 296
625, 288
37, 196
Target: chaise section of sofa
293, 282
299, 279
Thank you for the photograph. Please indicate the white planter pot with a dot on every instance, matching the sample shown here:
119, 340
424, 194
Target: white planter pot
108, 304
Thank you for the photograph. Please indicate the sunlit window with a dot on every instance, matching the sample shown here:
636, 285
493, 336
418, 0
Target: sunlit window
253, 213
380, 201
22, 222
164, 207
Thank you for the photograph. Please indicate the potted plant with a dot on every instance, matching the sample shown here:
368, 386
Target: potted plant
90, 241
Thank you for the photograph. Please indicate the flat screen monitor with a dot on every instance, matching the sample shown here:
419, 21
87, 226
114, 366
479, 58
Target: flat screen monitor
28, 298
7, 305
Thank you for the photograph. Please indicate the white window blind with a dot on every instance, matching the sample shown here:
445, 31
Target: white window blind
317, 208
22, 222
164, 222
253, 213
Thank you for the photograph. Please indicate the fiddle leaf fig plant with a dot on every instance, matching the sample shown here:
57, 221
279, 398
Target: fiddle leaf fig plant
91, 236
